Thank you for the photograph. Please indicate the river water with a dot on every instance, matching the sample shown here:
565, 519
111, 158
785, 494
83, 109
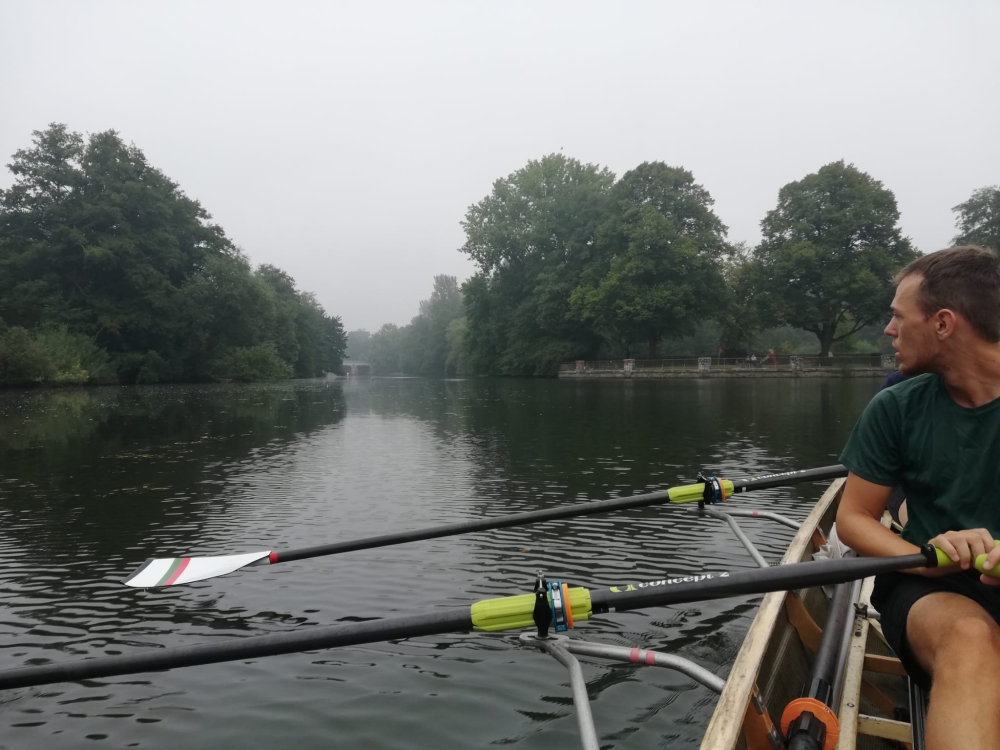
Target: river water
92, 482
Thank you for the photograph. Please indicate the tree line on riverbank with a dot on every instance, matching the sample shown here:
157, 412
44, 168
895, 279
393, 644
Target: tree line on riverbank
109, 273
574, 263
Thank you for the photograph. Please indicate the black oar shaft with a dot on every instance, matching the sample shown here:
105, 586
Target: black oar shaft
655, 593
551, 514
451, 620
785, 478
760, 581
825, 663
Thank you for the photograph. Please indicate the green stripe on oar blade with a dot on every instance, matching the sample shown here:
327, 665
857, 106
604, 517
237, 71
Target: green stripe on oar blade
170, 571
173, 571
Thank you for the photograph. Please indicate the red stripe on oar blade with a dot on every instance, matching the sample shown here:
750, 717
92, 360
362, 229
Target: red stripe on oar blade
174, 571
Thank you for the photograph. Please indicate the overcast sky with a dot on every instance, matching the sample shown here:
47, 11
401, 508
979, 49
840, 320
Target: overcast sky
344, 142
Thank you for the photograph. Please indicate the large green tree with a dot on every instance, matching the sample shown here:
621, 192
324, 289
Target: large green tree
425, 350
737, 316
830, 249
102, 254
978, 219
532, 238
656, 272
385, 352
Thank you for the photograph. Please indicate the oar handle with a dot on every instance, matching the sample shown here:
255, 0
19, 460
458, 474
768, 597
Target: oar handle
946, 562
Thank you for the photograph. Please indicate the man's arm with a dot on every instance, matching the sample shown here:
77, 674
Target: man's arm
859, 523
860, 528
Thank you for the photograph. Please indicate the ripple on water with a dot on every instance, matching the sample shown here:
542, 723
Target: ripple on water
94, 481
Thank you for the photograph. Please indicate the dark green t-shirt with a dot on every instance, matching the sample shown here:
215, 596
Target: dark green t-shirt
946, 457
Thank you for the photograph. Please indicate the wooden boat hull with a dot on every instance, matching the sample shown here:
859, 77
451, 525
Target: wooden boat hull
775, 659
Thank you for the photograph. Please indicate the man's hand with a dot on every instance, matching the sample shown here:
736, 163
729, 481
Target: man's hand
992, 559
963, 547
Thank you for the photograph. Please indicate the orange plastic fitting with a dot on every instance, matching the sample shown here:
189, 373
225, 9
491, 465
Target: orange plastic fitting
818, 709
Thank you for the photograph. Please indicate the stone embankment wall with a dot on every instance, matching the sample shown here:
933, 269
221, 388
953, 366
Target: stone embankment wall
825, 372
707, 367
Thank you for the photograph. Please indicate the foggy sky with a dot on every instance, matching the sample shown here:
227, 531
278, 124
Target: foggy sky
344, 142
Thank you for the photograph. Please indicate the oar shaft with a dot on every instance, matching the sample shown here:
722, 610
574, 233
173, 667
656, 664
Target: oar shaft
760, 581
451, 620
655, 593
785, 478
551, 514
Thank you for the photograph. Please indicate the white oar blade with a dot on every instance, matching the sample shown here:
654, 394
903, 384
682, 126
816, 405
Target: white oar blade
170, 571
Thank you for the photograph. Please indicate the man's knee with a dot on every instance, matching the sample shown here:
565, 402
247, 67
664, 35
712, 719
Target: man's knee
967, 638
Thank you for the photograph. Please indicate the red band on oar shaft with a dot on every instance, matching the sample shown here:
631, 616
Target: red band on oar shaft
273, 558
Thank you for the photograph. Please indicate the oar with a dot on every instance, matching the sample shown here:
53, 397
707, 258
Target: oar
169, 571
490, 615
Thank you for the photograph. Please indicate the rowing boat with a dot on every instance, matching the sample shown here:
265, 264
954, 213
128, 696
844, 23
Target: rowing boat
872, 699
775, 668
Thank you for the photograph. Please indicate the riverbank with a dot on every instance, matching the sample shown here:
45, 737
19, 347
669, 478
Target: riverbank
826, 372
774, 366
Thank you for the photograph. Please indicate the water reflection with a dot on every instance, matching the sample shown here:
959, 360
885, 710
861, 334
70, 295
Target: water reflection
93, 481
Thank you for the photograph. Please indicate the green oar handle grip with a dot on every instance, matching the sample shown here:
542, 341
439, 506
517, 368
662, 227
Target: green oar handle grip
944, 561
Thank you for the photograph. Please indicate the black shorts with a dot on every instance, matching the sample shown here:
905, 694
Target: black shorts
895, 593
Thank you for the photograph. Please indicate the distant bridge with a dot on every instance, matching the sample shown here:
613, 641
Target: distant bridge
356, 369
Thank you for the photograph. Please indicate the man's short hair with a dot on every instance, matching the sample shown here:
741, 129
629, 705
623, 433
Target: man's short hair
965, 279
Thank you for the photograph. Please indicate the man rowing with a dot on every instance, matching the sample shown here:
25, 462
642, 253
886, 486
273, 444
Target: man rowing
938, 436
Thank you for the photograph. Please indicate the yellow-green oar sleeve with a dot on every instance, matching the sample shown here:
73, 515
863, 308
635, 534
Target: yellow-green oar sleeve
692, 493
513, 612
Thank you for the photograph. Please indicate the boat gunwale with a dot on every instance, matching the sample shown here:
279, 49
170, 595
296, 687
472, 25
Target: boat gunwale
725, 727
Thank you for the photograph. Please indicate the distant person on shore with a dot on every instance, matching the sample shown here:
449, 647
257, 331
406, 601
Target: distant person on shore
771, 356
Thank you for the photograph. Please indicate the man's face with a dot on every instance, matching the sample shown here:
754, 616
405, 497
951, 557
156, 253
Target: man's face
913, 335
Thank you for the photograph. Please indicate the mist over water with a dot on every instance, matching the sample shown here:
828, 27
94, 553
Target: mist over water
94, 481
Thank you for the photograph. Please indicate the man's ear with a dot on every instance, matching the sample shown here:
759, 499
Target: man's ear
945, 322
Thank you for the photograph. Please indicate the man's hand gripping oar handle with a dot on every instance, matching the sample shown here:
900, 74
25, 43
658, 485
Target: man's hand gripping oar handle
943, 561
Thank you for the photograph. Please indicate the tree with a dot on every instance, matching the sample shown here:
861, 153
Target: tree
830, 249
304, 337
385, 353
978, 219
657, 261
425, 346
531, 239
738, 315
426, 340
333, 343
457, 362
22, 360
224, 305
358, 343
104, 259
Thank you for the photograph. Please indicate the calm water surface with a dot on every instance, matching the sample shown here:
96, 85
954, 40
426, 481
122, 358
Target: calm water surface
94, 481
